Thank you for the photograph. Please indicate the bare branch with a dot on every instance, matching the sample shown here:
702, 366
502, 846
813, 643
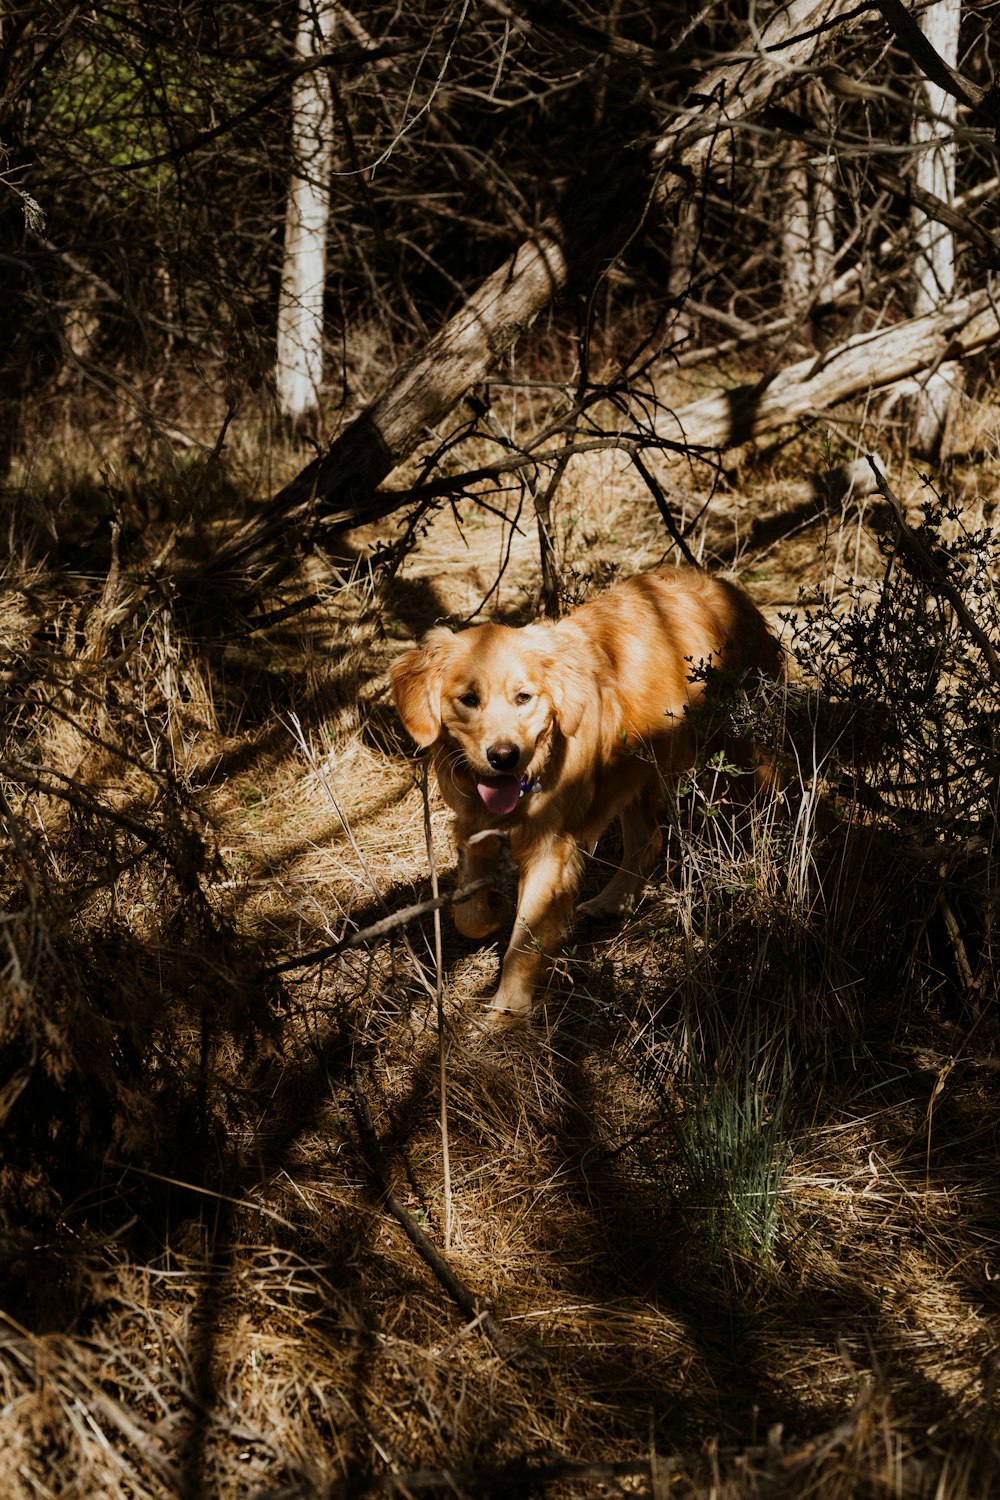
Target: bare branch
929, 203
931, 573
335, 491
344, 57
984, 103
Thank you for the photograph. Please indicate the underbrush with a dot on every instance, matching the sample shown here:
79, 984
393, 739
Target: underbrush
723, 1220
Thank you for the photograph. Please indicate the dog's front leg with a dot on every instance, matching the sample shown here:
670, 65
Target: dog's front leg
550, 875
484, 912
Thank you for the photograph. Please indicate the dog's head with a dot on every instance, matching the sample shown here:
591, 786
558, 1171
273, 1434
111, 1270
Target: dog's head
493, 696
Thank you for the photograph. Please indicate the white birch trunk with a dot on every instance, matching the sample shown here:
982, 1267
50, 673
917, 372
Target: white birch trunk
796, 236
683, 253
808, 227
299, 362
934, 258
824, 209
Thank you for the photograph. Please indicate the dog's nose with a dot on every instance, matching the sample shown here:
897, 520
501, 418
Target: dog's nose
503, 756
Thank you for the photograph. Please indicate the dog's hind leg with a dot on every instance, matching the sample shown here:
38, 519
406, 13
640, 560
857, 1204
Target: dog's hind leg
642, 842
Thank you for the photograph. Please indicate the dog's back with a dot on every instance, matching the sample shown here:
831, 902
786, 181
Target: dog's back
653, 642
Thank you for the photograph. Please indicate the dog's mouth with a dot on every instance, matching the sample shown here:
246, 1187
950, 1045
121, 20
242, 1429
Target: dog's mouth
499, 794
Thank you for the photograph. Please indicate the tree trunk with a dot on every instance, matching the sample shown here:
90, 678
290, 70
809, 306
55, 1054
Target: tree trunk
335, 491
807, 232
299, 358
796, 236
869, 361
934, 259
683, 257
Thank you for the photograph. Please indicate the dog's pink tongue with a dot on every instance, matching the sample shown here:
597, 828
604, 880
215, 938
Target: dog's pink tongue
500, 796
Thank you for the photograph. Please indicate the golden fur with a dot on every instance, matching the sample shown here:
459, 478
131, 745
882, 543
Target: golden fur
547, 733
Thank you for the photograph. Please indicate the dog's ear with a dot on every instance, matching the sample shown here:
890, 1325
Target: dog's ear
416, 685
568, 677
572, 688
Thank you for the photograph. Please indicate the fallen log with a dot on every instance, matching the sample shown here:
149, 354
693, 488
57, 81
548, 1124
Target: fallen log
338, 489
868, 361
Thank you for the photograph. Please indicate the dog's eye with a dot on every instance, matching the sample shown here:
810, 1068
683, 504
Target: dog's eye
523, 698
469, 700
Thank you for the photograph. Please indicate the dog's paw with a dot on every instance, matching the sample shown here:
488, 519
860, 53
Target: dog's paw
497, 1020
509, 1007
481, 916
604, 908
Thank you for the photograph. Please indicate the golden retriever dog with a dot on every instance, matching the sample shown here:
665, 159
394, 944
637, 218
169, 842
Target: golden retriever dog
546, 733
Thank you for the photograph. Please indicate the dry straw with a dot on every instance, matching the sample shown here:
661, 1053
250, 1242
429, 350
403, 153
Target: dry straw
280, 1219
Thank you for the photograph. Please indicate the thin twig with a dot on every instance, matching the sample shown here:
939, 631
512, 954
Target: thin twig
449, 485
439, 999
320, 771
66, 789
542, 500
380, 929
662, 505
982, 102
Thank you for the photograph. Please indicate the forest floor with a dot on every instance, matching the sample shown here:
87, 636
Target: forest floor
722, 1219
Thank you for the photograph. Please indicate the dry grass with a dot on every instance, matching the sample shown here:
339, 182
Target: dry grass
726, 1211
